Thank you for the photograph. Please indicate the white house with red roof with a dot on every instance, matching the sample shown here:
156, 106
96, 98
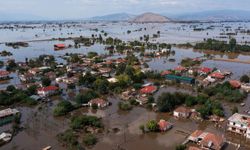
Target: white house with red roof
47, 91
204, 70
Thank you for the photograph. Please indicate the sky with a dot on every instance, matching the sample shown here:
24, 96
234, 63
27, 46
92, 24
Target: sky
79, 9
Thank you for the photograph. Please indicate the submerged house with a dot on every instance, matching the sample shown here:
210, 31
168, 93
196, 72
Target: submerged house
164, 125
101, 103
240, 124
182, 79
207, 140
7, 115
59, 46
182, 112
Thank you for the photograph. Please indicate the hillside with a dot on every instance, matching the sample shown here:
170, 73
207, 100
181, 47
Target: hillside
113, 17
150, 18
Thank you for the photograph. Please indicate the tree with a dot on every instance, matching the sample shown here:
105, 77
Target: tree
101, 86
235, 110
232, 44
244, 79
87, 80
46, 81
152, 126
63, 108
85, 97
151, 99
89, 140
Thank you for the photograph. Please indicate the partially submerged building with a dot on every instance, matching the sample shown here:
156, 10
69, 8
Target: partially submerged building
240, 124
7, 115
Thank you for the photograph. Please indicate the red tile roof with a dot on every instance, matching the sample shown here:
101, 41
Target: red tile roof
205, 69
59, 46
182, 109
235, 83
216, 141
217, 75
163, 124
48, 88
165, 72
4, 73
148, 89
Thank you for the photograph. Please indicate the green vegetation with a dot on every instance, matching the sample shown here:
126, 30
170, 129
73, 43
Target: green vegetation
92, 54
68, 138
63, 108
85, 97
225, 92
46, 81
13, 95
152, 126
125, 106
167, 102
188, 62
244, 79
80, 122
211, 44
89, 140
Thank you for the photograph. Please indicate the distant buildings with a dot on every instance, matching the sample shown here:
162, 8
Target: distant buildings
240, 124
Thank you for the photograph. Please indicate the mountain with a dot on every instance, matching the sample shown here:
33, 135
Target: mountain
150, 18
113, 17
218, 15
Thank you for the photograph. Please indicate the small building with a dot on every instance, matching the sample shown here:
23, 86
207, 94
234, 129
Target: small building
182, 112
164, 125
112, 80
148, 89
7, 115
240, 124
47, 91
4, 75
207, 140
5, 137
180, 79
101, 103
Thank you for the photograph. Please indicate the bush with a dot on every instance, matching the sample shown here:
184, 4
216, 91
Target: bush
63, 108
85, 97
89, 140
68, 138
125, 106
79, 122
244, 79
152, 126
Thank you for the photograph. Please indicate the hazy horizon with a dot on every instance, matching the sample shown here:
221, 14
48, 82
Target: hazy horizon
80, 9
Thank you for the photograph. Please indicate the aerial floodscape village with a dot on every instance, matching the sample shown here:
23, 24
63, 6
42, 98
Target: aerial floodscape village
148, 83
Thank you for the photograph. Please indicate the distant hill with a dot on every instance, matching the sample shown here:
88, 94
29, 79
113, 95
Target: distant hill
150, 18
113, 17
218, 15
